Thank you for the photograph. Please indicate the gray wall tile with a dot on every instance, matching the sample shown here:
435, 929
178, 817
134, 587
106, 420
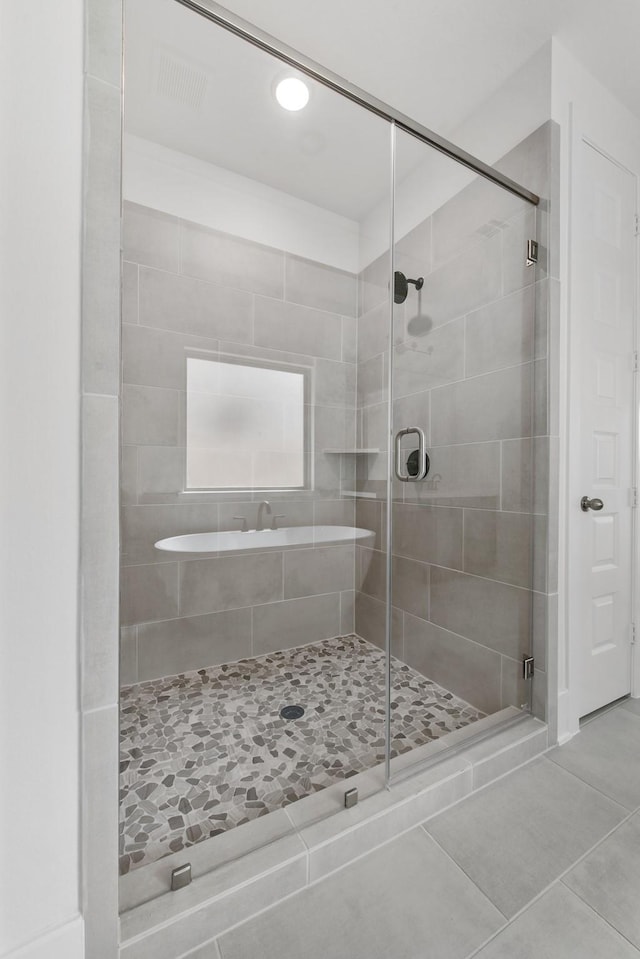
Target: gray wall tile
409, 581
103, 47
431, 534
160, 469
150, 237
101, 240
128, 655
373, 332
498, 546
347, 612
129, 292
412, 410
150, 416
319, 286
283, 625
370, 620
413, 250
319, 570
430, 359
334, 427
289, 326
148, 593
464, 668
500, 334
99, 550
193, 642
490, 407
152, 357
373, 284
334, 512
493, 614
144, 524
187, 305
464, 283
209, 585
371, 381
128, 475
466, 475
335, 383
473, 213
230, 261
371, 514
349, 339
100, 820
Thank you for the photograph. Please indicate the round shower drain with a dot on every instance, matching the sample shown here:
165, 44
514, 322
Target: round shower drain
292, 712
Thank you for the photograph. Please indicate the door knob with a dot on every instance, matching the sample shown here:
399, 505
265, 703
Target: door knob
586, 504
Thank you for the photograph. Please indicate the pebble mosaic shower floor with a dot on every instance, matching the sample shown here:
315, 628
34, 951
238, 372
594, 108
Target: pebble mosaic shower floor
207, 750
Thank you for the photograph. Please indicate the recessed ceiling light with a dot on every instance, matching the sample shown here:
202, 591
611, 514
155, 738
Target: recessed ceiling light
292, 94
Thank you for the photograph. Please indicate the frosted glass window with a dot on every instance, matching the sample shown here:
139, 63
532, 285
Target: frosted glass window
245, 426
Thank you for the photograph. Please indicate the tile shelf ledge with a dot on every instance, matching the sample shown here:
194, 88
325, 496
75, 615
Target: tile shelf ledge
357, 450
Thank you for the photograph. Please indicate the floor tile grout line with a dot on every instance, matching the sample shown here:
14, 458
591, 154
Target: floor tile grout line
558, 879
599, 914
585, 782
464, 872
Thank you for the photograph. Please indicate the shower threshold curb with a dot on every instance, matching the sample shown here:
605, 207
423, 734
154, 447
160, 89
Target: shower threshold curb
310, 839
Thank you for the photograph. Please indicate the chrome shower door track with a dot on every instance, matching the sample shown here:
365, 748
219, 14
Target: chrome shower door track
264, 41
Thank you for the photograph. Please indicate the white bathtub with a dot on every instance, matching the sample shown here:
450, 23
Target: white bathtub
286, 538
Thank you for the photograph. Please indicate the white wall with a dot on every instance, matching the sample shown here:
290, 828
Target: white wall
582, 106
41, 47
195, 190
513, 111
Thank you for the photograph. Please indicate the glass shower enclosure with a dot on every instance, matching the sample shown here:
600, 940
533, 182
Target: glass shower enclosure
328, 422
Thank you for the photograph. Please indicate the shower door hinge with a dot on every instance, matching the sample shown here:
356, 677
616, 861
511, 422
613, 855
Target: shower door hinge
634, 497
633, 634
636, 221
636, 368
527, 667
532, 252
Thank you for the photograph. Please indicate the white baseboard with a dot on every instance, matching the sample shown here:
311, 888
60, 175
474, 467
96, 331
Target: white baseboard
65, 942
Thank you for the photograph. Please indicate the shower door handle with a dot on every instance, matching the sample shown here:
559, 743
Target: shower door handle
422, 455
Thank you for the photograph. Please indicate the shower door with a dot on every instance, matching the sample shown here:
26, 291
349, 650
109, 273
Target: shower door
463, 422
246, 689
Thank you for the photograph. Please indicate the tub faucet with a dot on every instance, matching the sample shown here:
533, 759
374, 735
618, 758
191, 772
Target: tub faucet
264, 505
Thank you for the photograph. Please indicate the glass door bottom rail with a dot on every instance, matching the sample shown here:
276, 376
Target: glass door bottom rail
209, 750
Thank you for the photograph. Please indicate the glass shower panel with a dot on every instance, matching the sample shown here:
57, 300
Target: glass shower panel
256, 271
463, 523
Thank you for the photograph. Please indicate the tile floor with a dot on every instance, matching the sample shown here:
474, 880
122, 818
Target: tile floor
542, 864
207, 750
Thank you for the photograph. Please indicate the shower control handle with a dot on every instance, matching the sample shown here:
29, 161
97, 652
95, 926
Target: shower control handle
422, 455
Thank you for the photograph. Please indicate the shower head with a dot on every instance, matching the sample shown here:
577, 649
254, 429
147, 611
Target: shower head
401, 286
419, 325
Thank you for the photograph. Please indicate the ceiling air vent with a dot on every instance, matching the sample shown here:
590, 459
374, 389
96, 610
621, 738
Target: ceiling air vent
179, 81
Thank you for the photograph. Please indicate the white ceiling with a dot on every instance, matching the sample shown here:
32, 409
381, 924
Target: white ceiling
436, 60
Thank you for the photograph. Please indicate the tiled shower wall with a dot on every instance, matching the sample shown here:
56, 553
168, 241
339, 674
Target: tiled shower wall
188, 287
470, 368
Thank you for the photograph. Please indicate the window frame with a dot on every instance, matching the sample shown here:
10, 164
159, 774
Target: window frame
266, 364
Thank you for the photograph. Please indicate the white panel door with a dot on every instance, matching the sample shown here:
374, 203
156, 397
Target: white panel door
604, 293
